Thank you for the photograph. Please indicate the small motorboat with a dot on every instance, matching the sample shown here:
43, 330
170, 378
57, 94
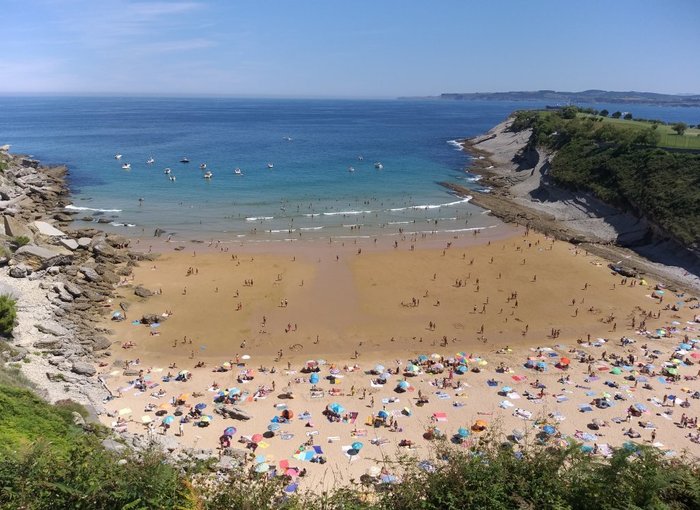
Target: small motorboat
172, 178
238, 171
117, 156
126, 166
360, 157
288, 138
167, 171
184, 160
203, 166
150, 161
208, 175
378, 165
270, 165
351, 169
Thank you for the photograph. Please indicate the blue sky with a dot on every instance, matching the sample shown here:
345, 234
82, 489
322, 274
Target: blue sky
347, 48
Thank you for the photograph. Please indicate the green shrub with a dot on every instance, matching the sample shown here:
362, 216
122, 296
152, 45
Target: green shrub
20, 241
8, 314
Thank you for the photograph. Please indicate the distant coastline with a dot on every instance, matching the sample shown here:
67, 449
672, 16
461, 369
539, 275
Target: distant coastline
557, 98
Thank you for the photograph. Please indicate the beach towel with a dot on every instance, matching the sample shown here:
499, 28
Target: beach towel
353, 416
263, 445
286, 436
346, 449
584, 408
518, 378
513, 395
562, 398
379, 441
318, 450
359, 433
442, 396
390, 400
522, 413
492, 383
375, 385
505, 404
440, 416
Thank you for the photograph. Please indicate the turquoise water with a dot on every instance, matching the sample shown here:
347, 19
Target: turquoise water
311, 144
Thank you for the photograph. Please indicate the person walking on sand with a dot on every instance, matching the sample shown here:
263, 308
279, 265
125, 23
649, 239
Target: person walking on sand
181, 429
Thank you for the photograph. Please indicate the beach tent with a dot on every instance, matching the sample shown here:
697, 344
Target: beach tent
229, 431
336, 408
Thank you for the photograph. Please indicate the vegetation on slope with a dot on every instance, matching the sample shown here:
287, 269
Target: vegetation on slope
623, 165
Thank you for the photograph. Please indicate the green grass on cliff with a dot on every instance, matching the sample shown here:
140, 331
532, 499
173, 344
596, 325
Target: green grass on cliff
668, 138
623, 167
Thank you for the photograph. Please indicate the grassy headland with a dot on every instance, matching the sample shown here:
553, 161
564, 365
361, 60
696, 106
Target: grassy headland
624, 163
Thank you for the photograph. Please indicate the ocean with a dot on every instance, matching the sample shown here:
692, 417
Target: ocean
323, 181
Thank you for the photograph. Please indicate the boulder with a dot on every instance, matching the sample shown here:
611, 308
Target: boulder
90, 274
84, 242
39, 256
73, 289
15, 228
47, 229
152, 318
71, 244
52, 328
19, 271
112, 445
83, 368
52, 344
100, 343
142, 292
117, 241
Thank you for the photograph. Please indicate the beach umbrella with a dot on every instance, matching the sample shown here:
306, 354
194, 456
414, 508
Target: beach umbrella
314, 378
256, 438
640, 407
334, 371
483, 362
292, 487
479, 425
336, 408
245, 357
183, 396
200, 406
374, 471
461, 369
422, 358
357, 445
262, 468
616, 371
506, 389
672, 371
226, 365
403, 385
272, 427
205, 419
413, 369
233, 392
435, 356
685, 346
383, 414
541, 364
183, 372
379, 369
385, 376
439, 366
564, 361
549, 430
168, 420
229, 431
312, 363
462, 432
288, 414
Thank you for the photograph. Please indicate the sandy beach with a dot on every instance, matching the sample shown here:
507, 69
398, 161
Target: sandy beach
254, 316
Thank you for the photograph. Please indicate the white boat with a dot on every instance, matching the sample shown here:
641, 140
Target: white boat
126, 166
351, 169
378, 165
288, 138
237, 171
150, 161
270, 165
117, 156
172, 178
184, 160
360, 157
203, 166
208, 175
167, 171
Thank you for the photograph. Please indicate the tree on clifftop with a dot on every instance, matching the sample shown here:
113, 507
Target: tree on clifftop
680, 127
628, 116
616, 115
604, 113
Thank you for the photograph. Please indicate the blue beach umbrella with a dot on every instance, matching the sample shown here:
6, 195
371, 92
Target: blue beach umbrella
461, 369
168, 420
357, 446
379, 369
403, 385
685, 346
541, 364
262, 468
462, 432
229, 431
292, 487
336, 408
273, 427
200, 406
506, 389
314, 378
549, 430
640, 407
383, 414
422, 358
233, 391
